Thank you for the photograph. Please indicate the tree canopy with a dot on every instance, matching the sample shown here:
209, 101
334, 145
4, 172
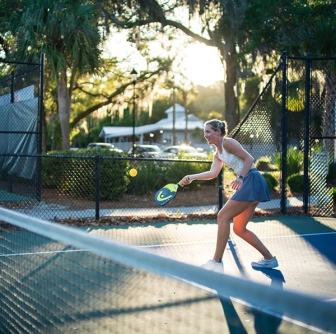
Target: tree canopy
248, 34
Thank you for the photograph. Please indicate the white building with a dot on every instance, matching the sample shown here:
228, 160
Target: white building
187, 131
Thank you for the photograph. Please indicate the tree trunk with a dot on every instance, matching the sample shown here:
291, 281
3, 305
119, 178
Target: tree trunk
230, 95
228, 54
64, 110
186, 117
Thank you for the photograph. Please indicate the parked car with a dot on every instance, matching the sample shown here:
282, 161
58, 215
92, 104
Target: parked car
104, 146
182, 151
145, 151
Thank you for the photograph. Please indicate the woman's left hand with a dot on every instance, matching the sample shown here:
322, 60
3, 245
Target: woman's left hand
237, 183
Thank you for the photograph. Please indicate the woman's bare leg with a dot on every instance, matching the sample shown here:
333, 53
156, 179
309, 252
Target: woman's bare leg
230, 210
239, 227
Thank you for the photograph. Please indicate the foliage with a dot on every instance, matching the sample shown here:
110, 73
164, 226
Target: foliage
264, 164
44, 26
271, 181
209, 100
159, 107
334, 194
294, 161
74, 172
331, 177
295, 182
149, 177
177, 170
113, 181
279, 30
248, 96
317, 36
53, 169
68, 33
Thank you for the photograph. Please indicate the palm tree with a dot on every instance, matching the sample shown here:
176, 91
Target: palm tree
319, 40
67, 32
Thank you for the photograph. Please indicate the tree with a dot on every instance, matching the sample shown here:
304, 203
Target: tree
241, 30
317, 37
67, 32
220, 15
6, 9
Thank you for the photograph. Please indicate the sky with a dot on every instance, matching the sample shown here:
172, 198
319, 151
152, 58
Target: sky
200, 63
203, 65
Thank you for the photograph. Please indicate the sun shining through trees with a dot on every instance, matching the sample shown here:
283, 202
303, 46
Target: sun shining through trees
197, 62
202, 64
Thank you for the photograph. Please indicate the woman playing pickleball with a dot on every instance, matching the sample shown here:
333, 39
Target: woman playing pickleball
250, 189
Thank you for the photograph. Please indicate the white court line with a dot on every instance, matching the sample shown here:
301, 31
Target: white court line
176, 244
48, 252
232, 239
298, 235
169, 244
332, 300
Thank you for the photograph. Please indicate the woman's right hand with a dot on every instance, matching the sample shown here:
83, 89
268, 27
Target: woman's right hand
185, 181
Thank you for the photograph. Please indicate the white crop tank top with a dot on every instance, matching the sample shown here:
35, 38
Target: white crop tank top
231, 160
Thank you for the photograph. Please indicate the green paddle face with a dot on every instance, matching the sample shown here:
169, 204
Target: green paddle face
166, 194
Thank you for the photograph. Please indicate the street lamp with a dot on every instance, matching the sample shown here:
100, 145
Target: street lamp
134, 76
151, 135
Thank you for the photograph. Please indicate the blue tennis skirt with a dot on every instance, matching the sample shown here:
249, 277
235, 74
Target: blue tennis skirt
254, 188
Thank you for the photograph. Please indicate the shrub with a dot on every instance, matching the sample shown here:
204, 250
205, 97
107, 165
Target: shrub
331, 177
150, 177
113, 178
271, 181
334, 194
177, 170
53, 169
295, 182
294, 161
264, 164
74, 172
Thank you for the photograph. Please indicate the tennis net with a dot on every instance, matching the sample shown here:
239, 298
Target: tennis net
61, 279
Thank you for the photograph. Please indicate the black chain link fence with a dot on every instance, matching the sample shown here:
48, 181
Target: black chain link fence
96, 186
290, 131
21, 108
322, 149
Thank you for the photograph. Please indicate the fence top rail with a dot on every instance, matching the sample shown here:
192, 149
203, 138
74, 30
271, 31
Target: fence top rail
98, 156
310, 58
18, 62
322, 137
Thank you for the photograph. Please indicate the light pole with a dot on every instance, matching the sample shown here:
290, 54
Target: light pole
134, 76
151, 135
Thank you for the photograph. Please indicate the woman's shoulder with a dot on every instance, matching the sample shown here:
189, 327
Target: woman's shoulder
230, 144
228, 141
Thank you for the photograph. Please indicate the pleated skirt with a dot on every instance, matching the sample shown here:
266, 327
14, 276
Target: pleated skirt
254, 188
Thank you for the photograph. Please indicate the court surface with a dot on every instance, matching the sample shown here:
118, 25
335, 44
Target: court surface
304, 246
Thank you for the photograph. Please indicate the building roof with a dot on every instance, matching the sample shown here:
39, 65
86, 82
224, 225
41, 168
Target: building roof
164, 124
